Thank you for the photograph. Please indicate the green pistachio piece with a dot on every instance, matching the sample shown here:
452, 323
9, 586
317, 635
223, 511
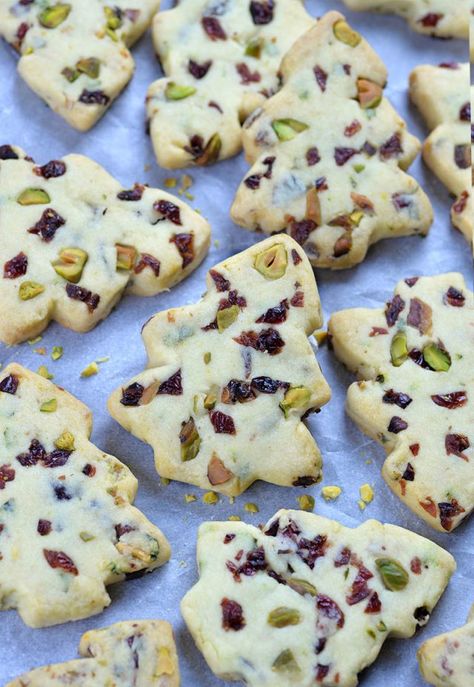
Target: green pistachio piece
89, 66
346, 34
399, 349
113, 17
65, 441
210, 401
207, 358
254, 48
174, 91
285, 661
356, 216
369, 93
226, 317
29, 290
70, 264
210, 153
49, 406
302, 586
190, 440
126, 256
286, 129
86, 536
70, 74
394, 576
33, 196
52, 17
111, 34
283, 616
295, 397
272, 263
437, 358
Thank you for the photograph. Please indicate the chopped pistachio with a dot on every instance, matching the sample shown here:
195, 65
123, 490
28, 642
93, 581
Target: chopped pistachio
254, 48
174, 91
65, 441
366, 493
207, 358
70, 74
399, 349
283, 616
51, 17
189, 498
437, 358
321, 336
362, 505
226, 317
306, 502
105, 359
126, 256
86, 536
33, 196
346, 34
381, 627
186, 181
190, 440
44, 372
285, 661
371, 633
287, 129
356, 217
70, 264
210, 401
57, 352
29, 290
113, 17
210, 498
358, 168
234, 518
165, 481
34, 341
296, 397
89, 66
369, 93
90, 370
393, 574
302, 586
272, 263
49, 406
331, 493
211, 152
40, 351
251, 507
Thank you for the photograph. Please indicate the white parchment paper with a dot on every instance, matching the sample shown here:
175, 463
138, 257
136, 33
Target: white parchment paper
120, 144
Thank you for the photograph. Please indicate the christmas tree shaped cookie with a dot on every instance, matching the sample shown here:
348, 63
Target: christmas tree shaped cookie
307, 601
72, 240
221, 61
230, 379
414, 358
67, 526
75, 54
443, 96
448, 660
328, 153
141, 653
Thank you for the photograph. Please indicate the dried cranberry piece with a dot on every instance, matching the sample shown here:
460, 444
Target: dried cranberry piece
415, 565
78, 293
393, 310
213, 28
461, 203
411, 281
420, 315
454, 297
429, 506
431, 19
343, 557
93, 97
185, 245
16, 267
297, 300
7, 153
228, 538
321, 643
391, 147
9, 385
52, 169
44, 527
397, 398
374, 604
397, 425
401, 201
321, 672
222, 284
255, 562
48, 225
378, 331
417, 357
56, 458
59, 559
120, 530
246, 75
409, 474
169, 210
304, 481
199, 71
448, 511
329, 608
455, 399
312, 156
89, 470
422, 615
267, 341
321, 77
465, 113
262, 12
21, 32
275, 315
132, 194
62, 493
414, 448
237, 391
172, 386
462, 156
343, 155
35, 453
359, 589
455, 444
232, 615
272, 529
296, 257
147, 260
132, 15
253, 181
321, 184
266, 385
309, 550
222, 423
352, 128
132, 394
7, 474
369, 149
300, 231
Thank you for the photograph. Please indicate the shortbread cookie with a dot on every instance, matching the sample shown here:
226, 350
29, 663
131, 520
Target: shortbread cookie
328, 152
443, 96
138, 654
416, 355
67, 528
75, 55
72, 240
230, 379
448, 659
308, 601
442, 18
221, 61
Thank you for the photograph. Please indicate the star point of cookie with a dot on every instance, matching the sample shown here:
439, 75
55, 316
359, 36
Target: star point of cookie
221, 59
67, 526
72, 240
75, 55
447, 660
306, 600
230, 379
328, 153
443, 95
141, 652
415, 397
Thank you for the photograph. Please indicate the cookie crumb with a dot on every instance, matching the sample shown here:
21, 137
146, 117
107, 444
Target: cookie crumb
189, 498
331, 493
210, 498
306, 502
44, 372
251, 507
366, 493
57, 352
90, 370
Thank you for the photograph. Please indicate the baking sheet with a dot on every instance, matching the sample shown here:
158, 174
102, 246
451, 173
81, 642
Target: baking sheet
120, 144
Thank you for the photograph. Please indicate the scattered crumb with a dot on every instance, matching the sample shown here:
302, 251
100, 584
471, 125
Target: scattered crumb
170, 182
44, 372
40, 351
306, 502
189, 498
216, 243
90, 370
211, 498
369, 461
321, 335
165, 481
186, 181
103, 360
231, 500
366, 493
331, 493
34, 341
57, 352
234, 518
362, 505
251, 508
188, 195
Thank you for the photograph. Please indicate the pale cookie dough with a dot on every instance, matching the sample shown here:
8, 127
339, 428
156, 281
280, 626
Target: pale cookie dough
75, 55
72, 240
221, 60
307, 601
448, 659
230, 379
328, 153
416, 355
127, 654
67, 526
441, 18
443, 96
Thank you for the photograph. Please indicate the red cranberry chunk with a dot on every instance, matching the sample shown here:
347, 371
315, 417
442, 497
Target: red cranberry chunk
329, 608
7, 474
462, 156
397, 425
132, 394
199, 71
48, 225
78, 293
393, 310
343, 558
309, 550
93, 97
168, 210
296, 257
312, 156
321, 672
455, 444
35, 453
222, 423
89, 470
411, 281
213, 28
454, 297
409, 474
62, 493
275, 315
246, 76
56, 458
16, 267
266, 385
232, 615
9, 385
132, 194
44, 527
456, 399
222, 284
374, 604
420, 316
304, 481
237, 391
465, 113
147, 260
415, 565
448, 511
58, 559
397, 398
262, 12
343, 155
172, 386
185, 245
267, 341
120, 530
300, 231
228, 538
52, 169
321, 77
392, 147
7, 153
431, 19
